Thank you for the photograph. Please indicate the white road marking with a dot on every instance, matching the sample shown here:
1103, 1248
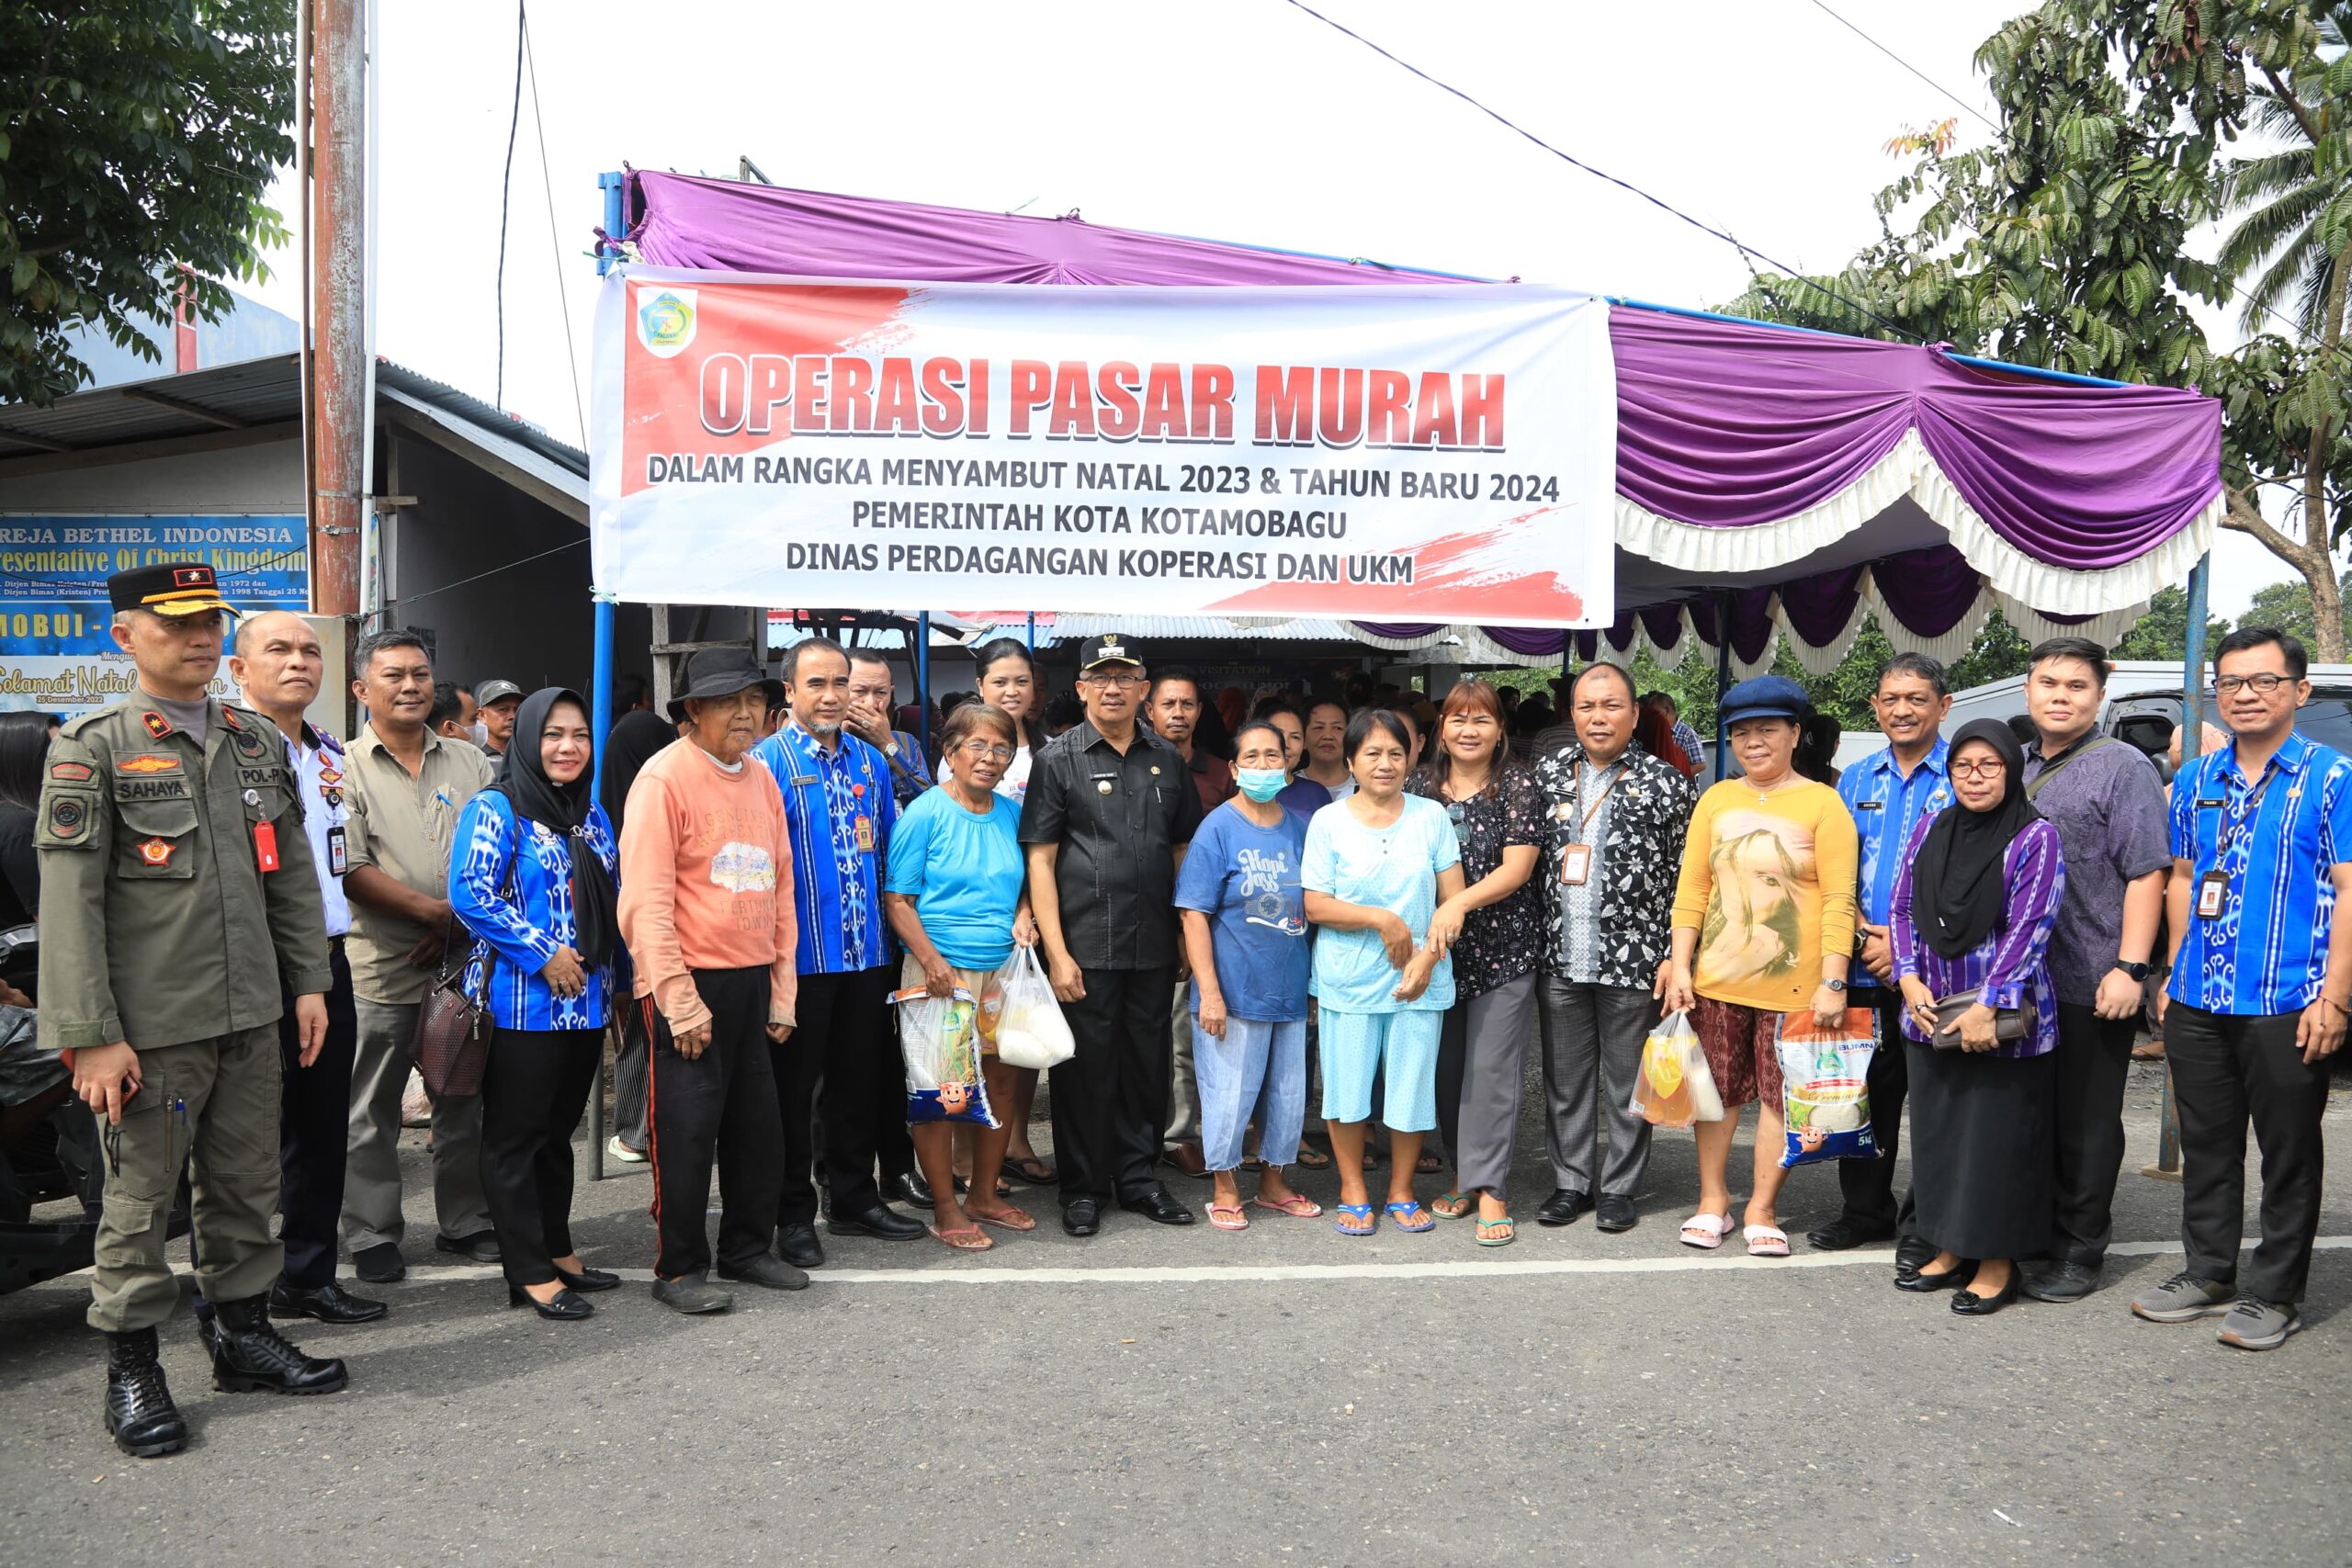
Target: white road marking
1231, 1273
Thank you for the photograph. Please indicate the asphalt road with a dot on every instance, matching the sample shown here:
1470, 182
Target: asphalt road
1284, 1395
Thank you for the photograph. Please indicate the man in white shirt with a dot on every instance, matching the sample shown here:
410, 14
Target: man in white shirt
278, 663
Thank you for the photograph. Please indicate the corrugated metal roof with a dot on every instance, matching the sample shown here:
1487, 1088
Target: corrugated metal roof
1064, 628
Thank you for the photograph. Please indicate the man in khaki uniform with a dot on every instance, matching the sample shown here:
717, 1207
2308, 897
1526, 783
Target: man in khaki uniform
176, 891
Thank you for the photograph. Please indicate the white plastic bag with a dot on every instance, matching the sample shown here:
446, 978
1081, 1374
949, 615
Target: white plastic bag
1030, 1030
937, 1037
1672, 1087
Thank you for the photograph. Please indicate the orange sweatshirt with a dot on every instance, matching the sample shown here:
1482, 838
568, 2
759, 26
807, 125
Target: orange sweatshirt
706, 881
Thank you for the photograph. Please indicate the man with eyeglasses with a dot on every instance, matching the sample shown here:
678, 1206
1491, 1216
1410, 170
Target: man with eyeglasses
1889, 793
2261, 982
868, 718
1109, 811
2107, 802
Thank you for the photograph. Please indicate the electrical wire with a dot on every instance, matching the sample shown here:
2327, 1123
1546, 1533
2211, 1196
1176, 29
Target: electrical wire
563, 301
1906, 65
405, 599
515, 119
1747, 249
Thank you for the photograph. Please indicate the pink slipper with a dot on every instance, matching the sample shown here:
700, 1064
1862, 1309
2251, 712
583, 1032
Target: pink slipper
1297, 1206
1228, 1218
1705, 1231
1765, 1241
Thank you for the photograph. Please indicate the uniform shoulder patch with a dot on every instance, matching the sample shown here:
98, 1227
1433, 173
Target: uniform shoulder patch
65, 819
73, 772
157, 725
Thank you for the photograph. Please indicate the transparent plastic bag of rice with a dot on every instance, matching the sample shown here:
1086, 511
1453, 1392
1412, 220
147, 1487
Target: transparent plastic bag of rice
939, 1036
1825, 1087
1673, 1087
1031, 1030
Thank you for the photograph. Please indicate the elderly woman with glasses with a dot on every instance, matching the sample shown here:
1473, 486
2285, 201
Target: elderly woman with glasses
955, 895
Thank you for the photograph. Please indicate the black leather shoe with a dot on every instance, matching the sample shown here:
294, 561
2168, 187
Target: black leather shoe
564, 1308
910, 1189
692, 1294
768, 1273
882, 1222
1081, 1216
380, 1263
1911, 1254
481, 1246
1968, 1303
1842, 1234
589, 1280
1922, 1283
1563, 1207
139, 1409
1158, 1207
251, 1357
2058, 1281
798, 1246
1616, 1213
329, 1303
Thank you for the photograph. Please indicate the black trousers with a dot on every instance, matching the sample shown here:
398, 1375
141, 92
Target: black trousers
534, 1091
2094, 1067
2226, 1071
1111, 1098
313, 1125
841, 1061
1867, 1186
718, 1107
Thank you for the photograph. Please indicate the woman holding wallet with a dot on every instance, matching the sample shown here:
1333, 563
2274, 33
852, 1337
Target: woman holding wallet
1968, 928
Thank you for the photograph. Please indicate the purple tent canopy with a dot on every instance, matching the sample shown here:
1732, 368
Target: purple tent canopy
1818, 478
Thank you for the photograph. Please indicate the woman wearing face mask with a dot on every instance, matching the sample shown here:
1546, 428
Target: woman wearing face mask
1494, 928
1377, 864
1972, 912
1245, 931
1763, 925
1006, 675
533, 876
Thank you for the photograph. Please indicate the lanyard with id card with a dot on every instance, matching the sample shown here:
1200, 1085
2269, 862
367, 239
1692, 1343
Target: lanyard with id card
1576, 858
2214, 887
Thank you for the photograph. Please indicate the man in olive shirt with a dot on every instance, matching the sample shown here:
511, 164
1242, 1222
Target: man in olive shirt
1109, 811
178, 894
403, 786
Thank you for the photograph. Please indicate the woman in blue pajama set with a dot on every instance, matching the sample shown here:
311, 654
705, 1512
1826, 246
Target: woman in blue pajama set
1376, 867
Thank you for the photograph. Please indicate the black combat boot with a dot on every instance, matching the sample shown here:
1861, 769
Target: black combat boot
251, 1357
139, 1412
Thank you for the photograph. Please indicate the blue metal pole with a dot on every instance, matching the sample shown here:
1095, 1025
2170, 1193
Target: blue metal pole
1722, 684
922, 664
600, 693
612, 182
1033, 631
2192, 733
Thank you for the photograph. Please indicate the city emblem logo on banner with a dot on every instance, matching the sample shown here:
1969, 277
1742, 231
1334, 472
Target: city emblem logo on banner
665, 321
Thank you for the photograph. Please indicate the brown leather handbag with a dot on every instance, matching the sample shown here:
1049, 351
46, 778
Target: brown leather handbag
451, 1045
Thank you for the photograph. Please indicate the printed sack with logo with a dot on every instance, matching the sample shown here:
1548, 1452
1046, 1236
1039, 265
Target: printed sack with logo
1825, 1086
939, 1036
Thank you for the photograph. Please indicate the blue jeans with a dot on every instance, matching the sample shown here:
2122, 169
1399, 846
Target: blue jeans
1231, 1072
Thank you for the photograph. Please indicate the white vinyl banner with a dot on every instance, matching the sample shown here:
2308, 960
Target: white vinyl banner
1391, 452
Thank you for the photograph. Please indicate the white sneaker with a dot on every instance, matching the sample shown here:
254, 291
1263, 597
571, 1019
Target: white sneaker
616, 1149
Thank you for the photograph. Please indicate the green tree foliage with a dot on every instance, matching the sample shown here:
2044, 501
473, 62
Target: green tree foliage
137, 137
2163, 632
2066, 240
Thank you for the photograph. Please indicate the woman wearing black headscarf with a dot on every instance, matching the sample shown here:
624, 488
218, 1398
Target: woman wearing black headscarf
1969, 926
533, 874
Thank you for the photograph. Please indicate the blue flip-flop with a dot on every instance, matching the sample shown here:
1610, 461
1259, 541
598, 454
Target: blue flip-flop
1360, 1212
1397, 1212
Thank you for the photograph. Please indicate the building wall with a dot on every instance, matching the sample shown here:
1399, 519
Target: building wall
266, 477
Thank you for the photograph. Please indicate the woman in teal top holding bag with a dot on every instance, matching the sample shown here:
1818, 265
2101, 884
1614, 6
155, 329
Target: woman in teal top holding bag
958, 896
1376, 867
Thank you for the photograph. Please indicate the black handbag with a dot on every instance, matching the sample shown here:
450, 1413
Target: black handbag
2008, 1023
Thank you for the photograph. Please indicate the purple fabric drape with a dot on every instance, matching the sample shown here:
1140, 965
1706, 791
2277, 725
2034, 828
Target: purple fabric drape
1725, 425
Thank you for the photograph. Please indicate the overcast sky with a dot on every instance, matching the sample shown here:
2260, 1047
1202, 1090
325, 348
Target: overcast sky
1234, 119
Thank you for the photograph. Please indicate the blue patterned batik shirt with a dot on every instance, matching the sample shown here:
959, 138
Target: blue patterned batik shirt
1886, 806
837, 865
510, 883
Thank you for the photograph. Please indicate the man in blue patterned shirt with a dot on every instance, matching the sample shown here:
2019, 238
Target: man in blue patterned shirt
839, 811
1890, 793
2261, 979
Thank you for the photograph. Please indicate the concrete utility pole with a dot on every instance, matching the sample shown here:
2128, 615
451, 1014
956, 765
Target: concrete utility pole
335, 378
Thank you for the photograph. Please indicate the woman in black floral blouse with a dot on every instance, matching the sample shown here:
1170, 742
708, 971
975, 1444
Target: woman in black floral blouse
1618, 819
1495, 927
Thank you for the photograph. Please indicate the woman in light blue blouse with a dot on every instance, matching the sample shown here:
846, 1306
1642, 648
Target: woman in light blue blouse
1375, 867
533, 876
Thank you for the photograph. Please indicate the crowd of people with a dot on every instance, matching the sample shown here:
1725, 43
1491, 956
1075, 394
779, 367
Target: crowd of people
1305, 933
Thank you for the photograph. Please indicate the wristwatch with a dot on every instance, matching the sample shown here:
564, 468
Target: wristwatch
1835, 984
2136, 971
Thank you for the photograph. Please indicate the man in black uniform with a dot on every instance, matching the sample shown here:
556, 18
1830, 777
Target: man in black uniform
1109, 811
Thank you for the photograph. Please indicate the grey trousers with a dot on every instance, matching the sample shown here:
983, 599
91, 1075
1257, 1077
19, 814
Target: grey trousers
1183, 1092
1592, 1051
371, 1186
1481, 1064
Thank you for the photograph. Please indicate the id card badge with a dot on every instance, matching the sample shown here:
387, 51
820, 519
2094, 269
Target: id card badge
1576, 864
2212, 889
265, 845
338, 851
865, 829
